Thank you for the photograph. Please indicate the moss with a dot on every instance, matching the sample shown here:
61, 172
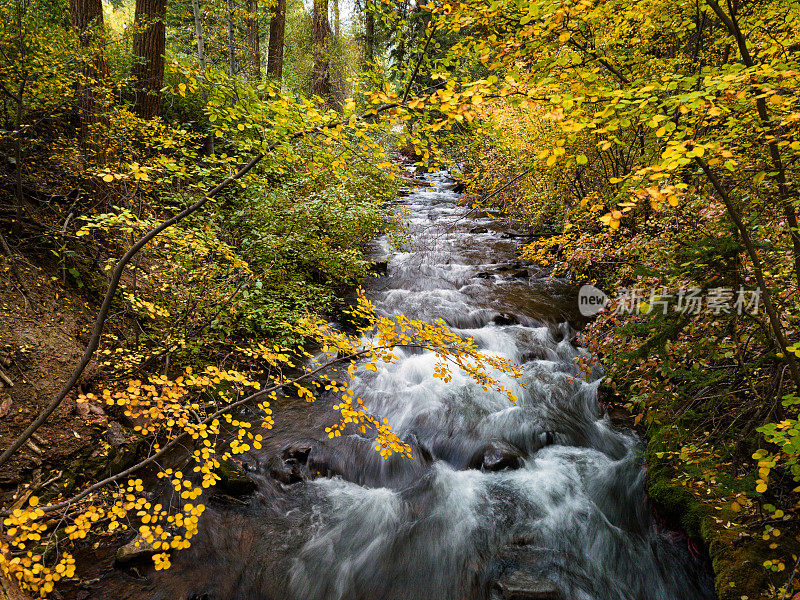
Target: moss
233, 480
125, 457
737, 571
736, 562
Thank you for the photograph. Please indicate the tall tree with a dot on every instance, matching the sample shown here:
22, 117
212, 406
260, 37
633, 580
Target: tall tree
321, 77
85, 13
86, 16
336, 23
277, 30
231, 41
369, 34
148, 51
201, 59
252, 40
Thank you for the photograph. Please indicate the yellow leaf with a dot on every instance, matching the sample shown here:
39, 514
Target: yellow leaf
761, 488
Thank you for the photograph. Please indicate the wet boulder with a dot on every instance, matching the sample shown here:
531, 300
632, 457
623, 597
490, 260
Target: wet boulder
380, 267
497, 456
520, 566
234, 480
298, 451
308, 460
285, 472
505, 319
290, 466
134, 552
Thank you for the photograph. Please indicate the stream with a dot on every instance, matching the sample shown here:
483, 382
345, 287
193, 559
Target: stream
542, 499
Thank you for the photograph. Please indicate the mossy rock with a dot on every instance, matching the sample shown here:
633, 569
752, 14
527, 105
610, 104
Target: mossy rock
125, 457
738, 570
233, 480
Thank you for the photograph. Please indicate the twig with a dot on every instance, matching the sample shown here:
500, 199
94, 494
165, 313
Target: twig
170, 445
6, 378
791, 577
419, 63
17, 275
491, 195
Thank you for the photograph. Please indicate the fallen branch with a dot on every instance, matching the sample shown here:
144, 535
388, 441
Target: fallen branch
17, 276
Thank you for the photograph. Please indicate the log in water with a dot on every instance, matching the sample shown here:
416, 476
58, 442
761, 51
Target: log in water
542, 499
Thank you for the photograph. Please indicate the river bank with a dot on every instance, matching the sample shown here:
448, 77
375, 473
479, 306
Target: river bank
684, 395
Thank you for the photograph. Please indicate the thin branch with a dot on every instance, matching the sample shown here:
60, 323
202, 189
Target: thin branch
174, 442
105, 307
772, 312
419, 63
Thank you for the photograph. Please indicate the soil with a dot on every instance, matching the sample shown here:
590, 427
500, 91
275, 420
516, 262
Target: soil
42, 336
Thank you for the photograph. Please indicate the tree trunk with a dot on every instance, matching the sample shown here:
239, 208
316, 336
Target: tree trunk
758, 271
252, 40
321, 78
787, 194
231, 41
86, 16
148, 51
277, 29
82, 14
336, 23
369, 36
201, 58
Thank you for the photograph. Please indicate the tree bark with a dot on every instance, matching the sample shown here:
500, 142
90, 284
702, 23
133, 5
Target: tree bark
369, 35
321, 77
148, 51
758, 271
86, 16
201, 58
231, 41
336, 23
252, 40
85, 13
277, 30
786, 193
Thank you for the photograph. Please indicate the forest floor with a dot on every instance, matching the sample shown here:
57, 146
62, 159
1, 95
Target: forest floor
44, 330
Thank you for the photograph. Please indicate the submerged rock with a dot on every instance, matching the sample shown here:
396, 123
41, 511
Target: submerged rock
285, 472
298, 451
521, 585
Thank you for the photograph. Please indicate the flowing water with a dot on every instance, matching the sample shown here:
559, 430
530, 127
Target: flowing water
542, 499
